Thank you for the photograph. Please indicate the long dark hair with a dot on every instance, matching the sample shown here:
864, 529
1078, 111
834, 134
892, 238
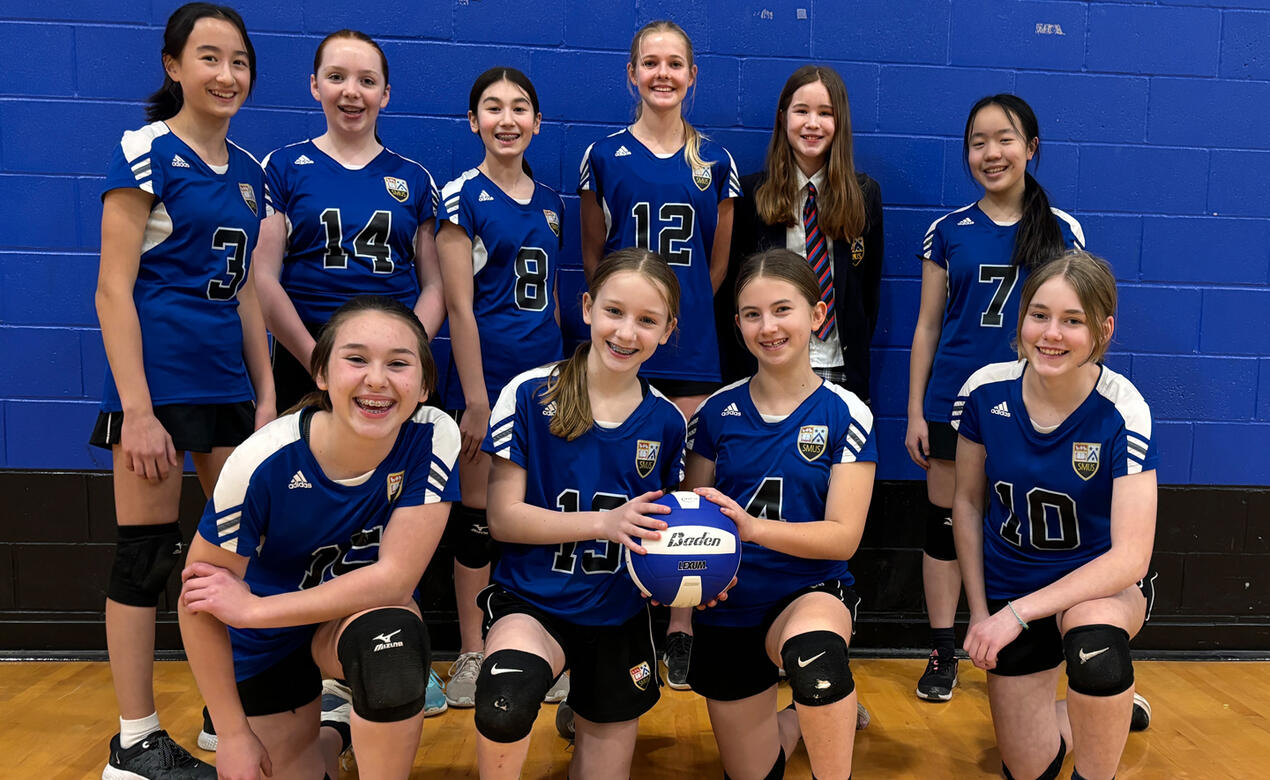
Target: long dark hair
168, 99
513, 76
1038, 237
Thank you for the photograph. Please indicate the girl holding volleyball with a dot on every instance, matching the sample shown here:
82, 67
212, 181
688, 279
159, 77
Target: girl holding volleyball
790, 458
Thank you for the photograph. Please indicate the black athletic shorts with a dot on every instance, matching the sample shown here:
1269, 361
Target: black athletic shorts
612, 669
1040, 647
287, 685
291, 380
942, 440
730, 662
193, 427
680, 388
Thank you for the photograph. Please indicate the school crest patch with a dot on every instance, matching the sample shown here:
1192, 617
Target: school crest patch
397, 188
646, 456
812, 440
701, 177
640, 675
249, 196
553, 221
1085, 458
857, 250
395, 481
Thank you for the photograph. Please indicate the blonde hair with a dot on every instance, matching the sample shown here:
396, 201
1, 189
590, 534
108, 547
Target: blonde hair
567, 383
1094, 283
692, 137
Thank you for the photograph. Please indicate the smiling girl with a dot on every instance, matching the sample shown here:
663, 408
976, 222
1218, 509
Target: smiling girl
310, 550
975, 260
1055, 566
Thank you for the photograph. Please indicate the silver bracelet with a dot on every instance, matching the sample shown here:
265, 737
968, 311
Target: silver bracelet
1022, 622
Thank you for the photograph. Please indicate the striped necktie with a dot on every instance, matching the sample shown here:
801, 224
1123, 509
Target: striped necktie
818, 257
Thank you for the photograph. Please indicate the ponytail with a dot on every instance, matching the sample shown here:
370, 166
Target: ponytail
1038, 238
166, 101
692, 148
567, 389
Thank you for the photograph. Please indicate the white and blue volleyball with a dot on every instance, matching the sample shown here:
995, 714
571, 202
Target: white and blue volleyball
696, 556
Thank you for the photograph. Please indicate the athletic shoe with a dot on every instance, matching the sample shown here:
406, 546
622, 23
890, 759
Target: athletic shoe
559, 690
157, 757
207, 735
337, 706
460, 691
434, 701
862, 719
564, 721
1141, 719
940, 677
678, 651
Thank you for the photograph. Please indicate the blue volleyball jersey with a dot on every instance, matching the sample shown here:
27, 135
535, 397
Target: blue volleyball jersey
197, 246
516, 251
981, 314
349, 231
583, 582
1049, 508
298, 528
660, 204
778, 470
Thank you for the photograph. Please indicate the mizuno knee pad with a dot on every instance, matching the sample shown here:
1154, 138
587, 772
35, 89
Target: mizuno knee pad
385, 654
939, 533
145, 556
473, 546
818, 668
1098, 660
509, 691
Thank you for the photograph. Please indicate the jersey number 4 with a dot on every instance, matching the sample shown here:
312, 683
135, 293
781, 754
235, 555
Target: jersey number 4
1051, 518
371, 241
675, 224
1006, 276
592, 562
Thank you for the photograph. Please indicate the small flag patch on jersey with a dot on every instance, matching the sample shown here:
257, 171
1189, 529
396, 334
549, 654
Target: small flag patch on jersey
641, 674
249, 196
395, 481
1085, 458
646, 456
730, 411
857, 250
484, 196
622, 151
303, 160
1001, 409
553, 221
702, 178
812, 440
397, 188
298, 481
965, 221
179, 162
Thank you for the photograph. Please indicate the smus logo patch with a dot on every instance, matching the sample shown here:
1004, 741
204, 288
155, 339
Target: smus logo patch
397, 188
553, 221
1085, 458
249, 196
857, 250
395, 481
646, 456
640, 675
812, 440
702, 178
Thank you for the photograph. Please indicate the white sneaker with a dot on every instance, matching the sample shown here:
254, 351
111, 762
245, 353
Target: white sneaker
559, 691
460, 689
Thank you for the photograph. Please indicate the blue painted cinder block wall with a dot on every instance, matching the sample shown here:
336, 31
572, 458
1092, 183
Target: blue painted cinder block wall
1153, 119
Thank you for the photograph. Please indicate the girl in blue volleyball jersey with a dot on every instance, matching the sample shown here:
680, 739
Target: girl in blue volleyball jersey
571, 440
184, 340
310, 550
1060, 448
975, 260
352, 216
790, 457
500, 238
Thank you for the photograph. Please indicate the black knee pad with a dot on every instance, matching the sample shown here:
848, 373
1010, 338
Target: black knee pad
145, 556
509, 691
1052, 771
818, 668
473, 546
1098, 660
939, 533
385, 654
777, 771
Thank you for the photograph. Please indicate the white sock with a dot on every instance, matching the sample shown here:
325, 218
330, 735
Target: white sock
133, 731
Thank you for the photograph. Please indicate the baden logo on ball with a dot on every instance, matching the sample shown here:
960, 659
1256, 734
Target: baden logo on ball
695, 558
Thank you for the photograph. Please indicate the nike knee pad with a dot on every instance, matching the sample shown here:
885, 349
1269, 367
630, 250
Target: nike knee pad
145, 556
385, 654
509, 691
939, 533
1098, 660
818, 668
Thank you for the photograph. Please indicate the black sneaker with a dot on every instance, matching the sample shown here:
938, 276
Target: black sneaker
1141, 719
157, 757
207, 736
678, 651
940, 677
564, 721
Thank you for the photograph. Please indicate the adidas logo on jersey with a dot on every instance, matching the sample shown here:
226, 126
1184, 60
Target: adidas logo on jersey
484, 197
303, 160
730, 411
622, 151
179, 162
1001, 409
298, 481
549, 410
966, 221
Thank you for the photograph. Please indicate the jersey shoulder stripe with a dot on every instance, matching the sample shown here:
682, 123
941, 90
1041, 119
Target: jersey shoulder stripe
503, 416
861, 424
445, 449
136, 145
452, 190
930, 231
231, 487
993, 372
1135, 412
1073, 225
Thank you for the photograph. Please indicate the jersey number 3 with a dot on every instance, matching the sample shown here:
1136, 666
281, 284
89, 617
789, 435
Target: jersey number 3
235, 241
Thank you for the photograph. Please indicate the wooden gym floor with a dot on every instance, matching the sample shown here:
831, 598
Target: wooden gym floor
1210, 720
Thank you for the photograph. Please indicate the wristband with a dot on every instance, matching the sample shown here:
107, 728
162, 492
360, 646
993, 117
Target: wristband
1015, 612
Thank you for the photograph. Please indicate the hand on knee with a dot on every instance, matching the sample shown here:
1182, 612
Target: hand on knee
385, 654
1098, 660
509, 691
818, 668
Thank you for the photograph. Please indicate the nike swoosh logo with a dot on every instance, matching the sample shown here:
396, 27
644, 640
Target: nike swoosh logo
802, 663
495, 670
1086, 656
